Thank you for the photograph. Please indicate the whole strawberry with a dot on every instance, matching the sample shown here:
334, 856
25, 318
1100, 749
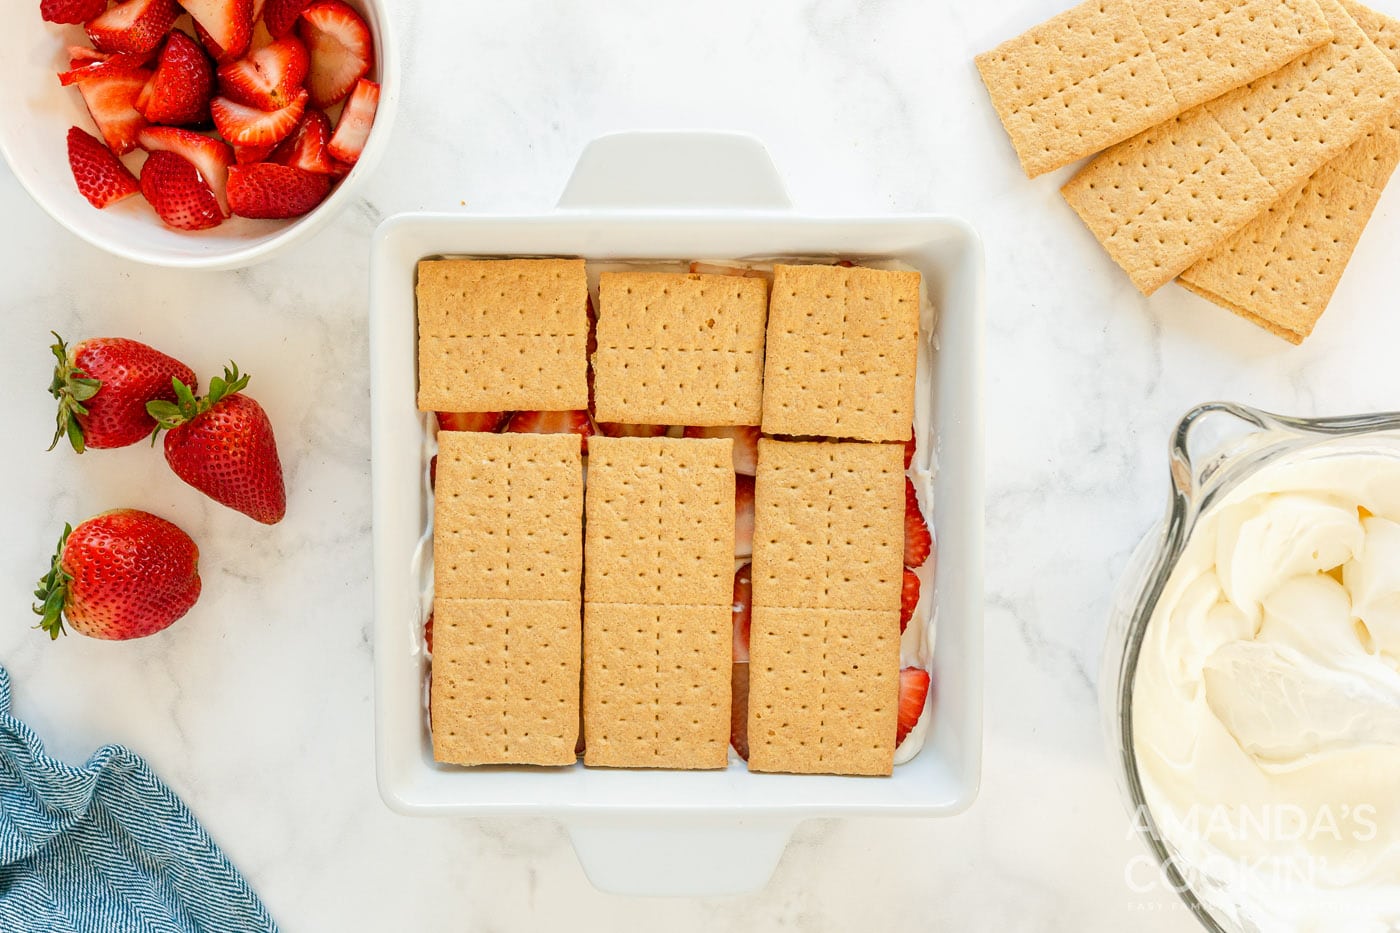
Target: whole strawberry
223, 446
103, 387
119, 575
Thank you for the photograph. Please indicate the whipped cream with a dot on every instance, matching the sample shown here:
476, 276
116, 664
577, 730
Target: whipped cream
1266, 707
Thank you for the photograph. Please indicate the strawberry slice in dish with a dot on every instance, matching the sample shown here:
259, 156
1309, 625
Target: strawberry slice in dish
617, 429
428, 633
244, 155
90, 63
918, 543
743, 612
908, 599
178, 93
211, 156
178, 193
269, 78
135, 26
484, 421
552, 422
341, 47
909, 449
913, 692
745, 445
280, 16
111, 97
101, 177
228, 24
71, 12
743, 516
268, 191
241, 125
356, 120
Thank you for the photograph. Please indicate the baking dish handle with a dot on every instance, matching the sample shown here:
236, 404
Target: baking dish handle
675, 171
679, 857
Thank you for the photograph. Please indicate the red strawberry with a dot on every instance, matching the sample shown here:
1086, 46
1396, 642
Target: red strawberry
267, 79
909, 449
428, 633
356, 120
271, 191
132, 26
617, 429
227, 23
908, 599
71, 12
79, 55
211, 156
246, 155
103, 387
100, 176
913, 691
743, 516
743, 611
552, 422
432, 472
178, 194
281, 15
241, 125
178, 93
110, 97
739, 709
745, 445
119, 575
223, 446
306, 147
918, 543
486, 421
89, 63
341, 47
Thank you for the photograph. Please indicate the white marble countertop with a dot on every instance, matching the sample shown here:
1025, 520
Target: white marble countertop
257, 708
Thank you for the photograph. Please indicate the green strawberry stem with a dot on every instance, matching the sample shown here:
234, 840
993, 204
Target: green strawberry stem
187, 407
53, 591
71, 386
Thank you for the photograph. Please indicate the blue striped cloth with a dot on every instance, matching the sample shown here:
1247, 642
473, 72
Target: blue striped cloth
106, 848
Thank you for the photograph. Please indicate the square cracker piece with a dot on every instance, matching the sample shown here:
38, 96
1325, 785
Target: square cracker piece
1106, 70
502, 335
505, 681
508, 516
823, 690
656, 685
680, 349
1281, 270
660, 521
1171, 196
842, 353
828, 525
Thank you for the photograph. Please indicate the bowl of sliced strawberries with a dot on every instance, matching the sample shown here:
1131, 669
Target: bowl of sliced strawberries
195, 133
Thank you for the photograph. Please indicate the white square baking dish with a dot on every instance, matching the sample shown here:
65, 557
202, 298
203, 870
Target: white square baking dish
669, 196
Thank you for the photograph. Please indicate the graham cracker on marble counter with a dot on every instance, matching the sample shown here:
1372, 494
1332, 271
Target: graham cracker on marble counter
502, 335
842, 352
1106, 70
505, 684
680, 349
1171, 196
1281, 270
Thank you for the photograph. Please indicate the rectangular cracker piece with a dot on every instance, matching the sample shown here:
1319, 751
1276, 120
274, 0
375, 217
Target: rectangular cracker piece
505, 687
1169, 197
660, 521
828, 525
1106, 70
1281, 270
842, 353
680, 349
823, 690
656, 690
508, 516
502, 335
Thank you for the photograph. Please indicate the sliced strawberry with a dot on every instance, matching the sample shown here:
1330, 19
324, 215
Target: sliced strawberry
227, 23
918, 543
428, 633
267, 79
743, 516
281, 15
909, 449
133, 26
745, 445
71, 12
552, 422
908, 599
306, 147
177, 192
432, 472
341, 47
240, 125
739, 709
111, 100
710, 268
258, 10
244, 155
90, 63
79, 55
178, 93
100, 176
487, 421
913, 691
267, 190
356, 120
211, 156
743, 611
617, 429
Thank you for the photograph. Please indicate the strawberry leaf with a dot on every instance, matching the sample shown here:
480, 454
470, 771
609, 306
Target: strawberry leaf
52, 592
71, 386
186, 407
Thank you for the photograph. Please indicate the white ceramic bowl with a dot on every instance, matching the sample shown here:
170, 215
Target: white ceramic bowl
34, 125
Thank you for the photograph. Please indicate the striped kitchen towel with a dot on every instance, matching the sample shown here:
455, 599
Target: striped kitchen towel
106, 848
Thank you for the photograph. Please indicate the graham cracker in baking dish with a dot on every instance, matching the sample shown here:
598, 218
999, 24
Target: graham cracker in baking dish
680, 349
660, 521
505, 686
656, 690
1106, 70
823, 690
842, 352
502, 335
508, 516
1281, 270
1171, 196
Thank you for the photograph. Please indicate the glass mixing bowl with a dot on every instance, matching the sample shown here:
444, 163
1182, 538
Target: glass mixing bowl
1214, 448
